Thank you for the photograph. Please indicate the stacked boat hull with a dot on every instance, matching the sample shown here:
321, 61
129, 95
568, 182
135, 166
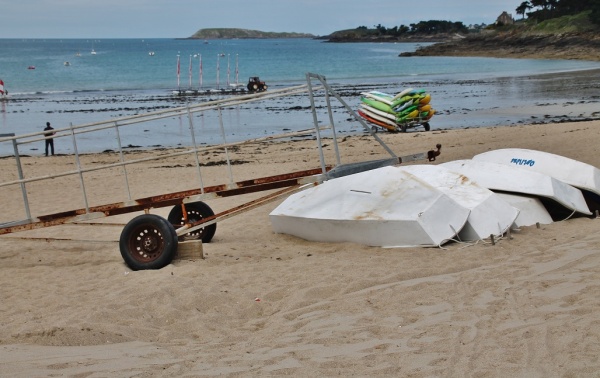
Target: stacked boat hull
408, 108
429, 205
385, 207
489, 214
504, 178
583, 176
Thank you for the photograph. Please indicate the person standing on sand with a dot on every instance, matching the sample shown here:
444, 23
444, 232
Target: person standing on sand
50, 141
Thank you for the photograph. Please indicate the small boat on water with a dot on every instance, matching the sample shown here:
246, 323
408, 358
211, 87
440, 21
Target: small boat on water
505, 178
581, 175
31, 68
386, 207
67, 63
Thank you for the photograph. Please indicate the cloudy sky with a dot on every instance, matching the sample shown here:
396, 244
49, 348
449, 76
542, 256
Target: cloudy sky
182, 18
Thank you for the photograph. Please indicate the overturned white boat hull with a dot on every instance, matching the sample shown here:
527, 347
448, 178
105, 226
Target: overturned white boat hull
385, 207
490, 214
573, 172
502, 177
531, 210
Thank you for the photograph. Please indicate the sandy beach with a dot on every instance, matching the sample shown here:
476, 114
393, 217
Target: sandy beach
266, 304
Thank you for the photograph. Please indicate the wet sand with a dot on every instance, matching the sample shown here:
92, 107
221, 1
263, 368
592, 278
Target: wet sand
461, 102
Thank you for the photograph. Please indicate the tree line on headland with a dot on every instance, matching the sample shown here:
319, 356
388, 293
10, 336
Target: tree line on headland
541, 10
549, 29
533, 13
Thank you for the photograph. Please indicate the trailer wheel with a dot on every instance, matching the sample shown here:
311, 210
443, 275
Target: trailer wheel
148, 241
403, 127
196, 211
426, 126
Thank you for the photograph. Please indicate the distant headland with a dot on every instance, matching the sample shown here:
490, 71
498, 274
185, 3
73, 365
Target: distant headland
234, 33
571, 36
564, 33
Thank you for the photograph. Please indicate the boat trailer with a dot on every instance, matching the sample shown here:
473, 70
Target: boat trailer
149, 241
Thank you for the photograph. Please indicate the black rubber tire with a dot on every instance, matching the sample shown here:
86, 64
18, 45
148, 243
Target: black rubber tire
254, 87
250, 87
403, 128
196, 211
426, 126
148, 241
265, 87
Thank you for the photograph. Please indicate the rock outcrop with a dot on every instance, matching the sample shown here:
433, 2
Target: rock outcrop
583, 46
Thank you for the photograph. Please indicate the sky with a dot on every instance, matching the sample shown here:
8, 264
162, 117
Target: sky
182, 18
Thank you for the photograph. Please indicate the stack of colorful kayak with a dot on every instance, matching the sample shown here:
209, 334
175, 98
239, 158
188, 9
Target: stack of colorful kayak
408, 108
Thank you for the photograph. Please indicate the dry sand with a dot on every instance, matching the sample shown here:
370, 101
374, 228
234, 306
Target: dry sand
265, 304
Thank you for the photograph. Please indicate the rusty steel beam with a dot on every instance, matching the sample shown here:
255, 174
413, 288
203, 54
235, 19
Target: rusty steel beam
163, 200
204, 222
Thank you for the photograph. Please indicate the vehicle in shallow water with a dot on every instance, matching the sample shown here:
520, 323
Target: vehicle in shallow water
256, 85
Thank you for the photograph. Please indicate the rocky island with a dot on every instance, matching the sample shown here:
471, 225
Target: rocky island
234, 33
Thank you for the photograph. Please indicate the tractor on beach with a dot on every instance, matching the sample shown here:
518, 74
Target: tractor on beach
255, 85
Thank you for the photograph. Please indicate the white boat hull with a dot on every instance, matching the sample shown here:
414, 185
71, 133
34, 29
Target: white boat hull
489, 214
384, 207
581, 175
505, 178
531, 210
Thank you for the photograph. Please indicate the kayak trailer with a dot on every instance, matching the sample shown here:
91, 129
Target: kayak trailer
149, 241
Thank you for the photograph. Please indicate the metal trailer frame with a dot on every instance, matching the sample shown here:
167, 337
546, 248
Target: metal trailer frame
403, 126
149, 241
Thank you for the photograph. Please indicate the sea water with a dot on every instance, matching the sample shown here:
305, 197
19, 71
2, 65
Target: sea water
62, 81
127, 64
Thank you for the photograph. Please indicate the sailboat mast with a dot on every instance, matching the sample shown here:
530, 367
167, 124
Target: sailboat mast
228, 70
236, 70
200, 72
218, 58
190, 72
178, 71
